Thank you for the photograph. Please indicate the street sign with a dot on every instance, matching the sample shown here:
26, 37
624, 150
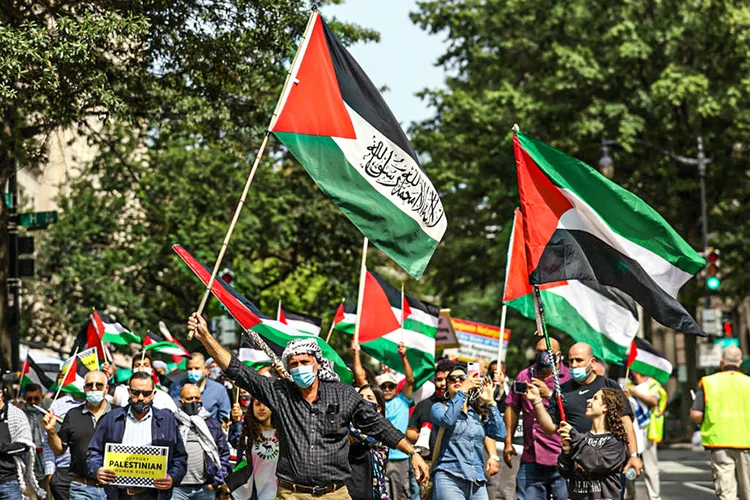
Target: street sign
709, 355
711, 322
37, 219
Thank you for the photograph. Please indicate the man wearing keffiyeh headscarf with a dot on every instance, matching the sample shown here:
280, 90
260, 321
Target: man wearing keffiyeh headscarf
312, 416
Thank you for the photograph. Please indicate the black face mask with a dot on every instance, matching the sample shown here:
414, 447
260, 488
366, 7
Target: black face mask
192, 408
140, 407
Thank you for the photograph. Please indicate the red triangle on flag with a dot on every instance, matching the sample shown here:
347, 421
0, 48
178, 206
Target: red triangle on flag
377, 316
632, 354
70, 375
94, 335
340, 314
282, 317
405, 308
314, 105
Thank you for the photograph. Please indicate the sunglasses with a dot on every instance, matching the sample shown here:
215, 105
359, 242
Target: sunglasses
137, 393
457, 378
94, 385
388, 387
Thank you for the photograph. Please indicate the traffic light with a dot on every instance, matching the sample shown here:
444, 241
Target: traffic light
226, 275
713, 281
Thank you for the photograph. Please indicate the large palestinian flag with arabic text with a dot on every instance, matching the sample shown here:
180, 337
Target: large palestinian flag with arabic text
603, 317
582, 226
336, 123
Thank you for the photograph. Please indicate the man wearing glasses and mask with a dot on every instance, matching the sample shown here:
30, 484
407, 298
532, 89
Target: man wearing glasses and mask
139, 424
76, 432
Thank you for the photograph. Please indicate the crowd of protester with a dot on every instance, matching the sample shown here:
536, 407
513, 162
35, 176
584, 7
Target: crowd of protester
294, 431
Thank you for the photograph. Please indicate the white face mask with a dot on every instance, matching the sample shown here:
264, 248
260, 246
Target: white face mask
144, 369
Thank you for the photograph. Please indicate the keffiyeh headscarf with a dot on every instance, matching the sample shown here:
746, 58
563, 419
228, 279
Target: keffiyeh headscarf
309, 346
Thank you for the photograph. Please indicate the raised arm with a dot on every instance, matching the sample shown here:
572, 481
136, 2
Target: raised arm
360, 377
408, 389
446, 415
542, 416
243, 376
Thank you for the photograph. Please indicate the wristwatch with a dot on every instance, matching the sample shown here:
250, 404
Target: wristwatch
495, 457
412, 452
635, 455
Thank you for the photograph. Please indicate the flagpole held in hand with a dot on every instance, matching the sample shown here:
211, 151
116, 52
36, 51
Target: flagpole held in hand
64, 376
290, 78
20, 376
402, 311
361, 297
555, 375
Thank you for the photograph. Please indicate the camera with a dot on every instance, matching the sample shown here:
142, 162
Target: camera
520, 387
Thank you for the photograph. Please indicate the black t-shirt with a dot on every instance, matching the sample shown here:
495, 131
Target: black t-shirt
421, 414
575, 397
76, 433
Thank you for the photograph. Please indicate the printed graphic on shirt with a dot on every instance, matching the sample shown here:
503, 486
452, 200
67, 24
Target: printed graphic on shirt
268, 447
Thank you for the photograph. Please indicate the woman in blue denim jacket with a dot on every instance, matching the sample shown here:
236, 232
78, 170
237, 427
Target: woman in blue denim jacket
459, 471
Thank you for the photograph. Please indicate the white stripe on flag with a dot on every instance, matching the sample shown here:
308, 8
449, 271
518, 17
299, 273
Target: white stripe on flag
253, 355
658, 362
582, 217
357, 151
602, 314
304, 326
412, 340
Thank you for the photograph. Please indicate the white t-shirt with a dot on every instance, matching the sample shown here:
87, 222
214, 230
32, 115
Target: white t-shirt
162, 400
265, 456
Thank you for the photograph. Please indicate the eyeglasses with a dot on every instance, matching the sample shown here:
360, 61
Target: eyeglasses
94, 385
137, 393
457, 378
33, 401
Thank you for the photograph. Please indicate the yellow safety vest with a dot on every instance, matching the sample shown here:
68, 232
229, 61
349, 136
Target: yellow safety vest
726, 417
656, 419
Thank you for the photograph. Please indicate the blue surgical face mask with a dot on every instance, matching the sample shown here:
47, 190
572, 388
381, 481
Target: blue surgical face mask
581, 373
303, 376
95, 397
195, 376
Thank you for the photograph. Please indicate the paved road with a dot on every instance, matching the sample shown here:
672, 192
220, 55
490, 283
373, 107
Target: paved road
685, 474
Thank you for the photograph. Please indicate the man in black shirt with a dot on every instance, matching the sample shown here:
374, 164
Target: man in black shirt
312, 416
421, 413
76, 432
576, 392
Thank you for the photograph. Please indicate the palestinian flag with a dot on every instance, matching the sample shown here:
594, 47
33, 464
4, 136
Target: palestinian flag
240, 481
169, 338
336, 123
153, 342
252, 355
250, 317
380, 330
587, 228
114, 332
305, 323
647, 360
603, 317
31, 373
71, 377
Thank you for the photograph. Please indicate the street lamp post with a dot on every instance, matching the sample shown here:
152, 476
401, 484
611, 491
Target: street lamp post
606, 166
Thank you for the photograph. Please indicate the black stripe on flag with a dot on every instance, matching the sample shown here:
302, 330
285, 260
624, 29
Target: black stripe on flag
307, 318
645, 345
394, 297
579, 255
362, 96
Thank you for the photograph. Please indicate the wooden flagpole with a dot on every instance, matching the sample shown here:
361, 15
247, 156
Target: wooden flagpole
555, 375
64, 376
290, 78
330, 330
361, 297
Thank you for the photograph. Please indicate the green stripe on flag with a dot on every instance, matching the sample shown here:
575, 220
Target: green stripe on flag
393, 231
422, 363
624, 212
122, 338
562, 315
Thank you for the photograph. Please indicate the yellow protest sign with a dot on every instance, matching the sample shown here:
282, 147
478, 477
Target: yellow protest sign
136, 465
89, 359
